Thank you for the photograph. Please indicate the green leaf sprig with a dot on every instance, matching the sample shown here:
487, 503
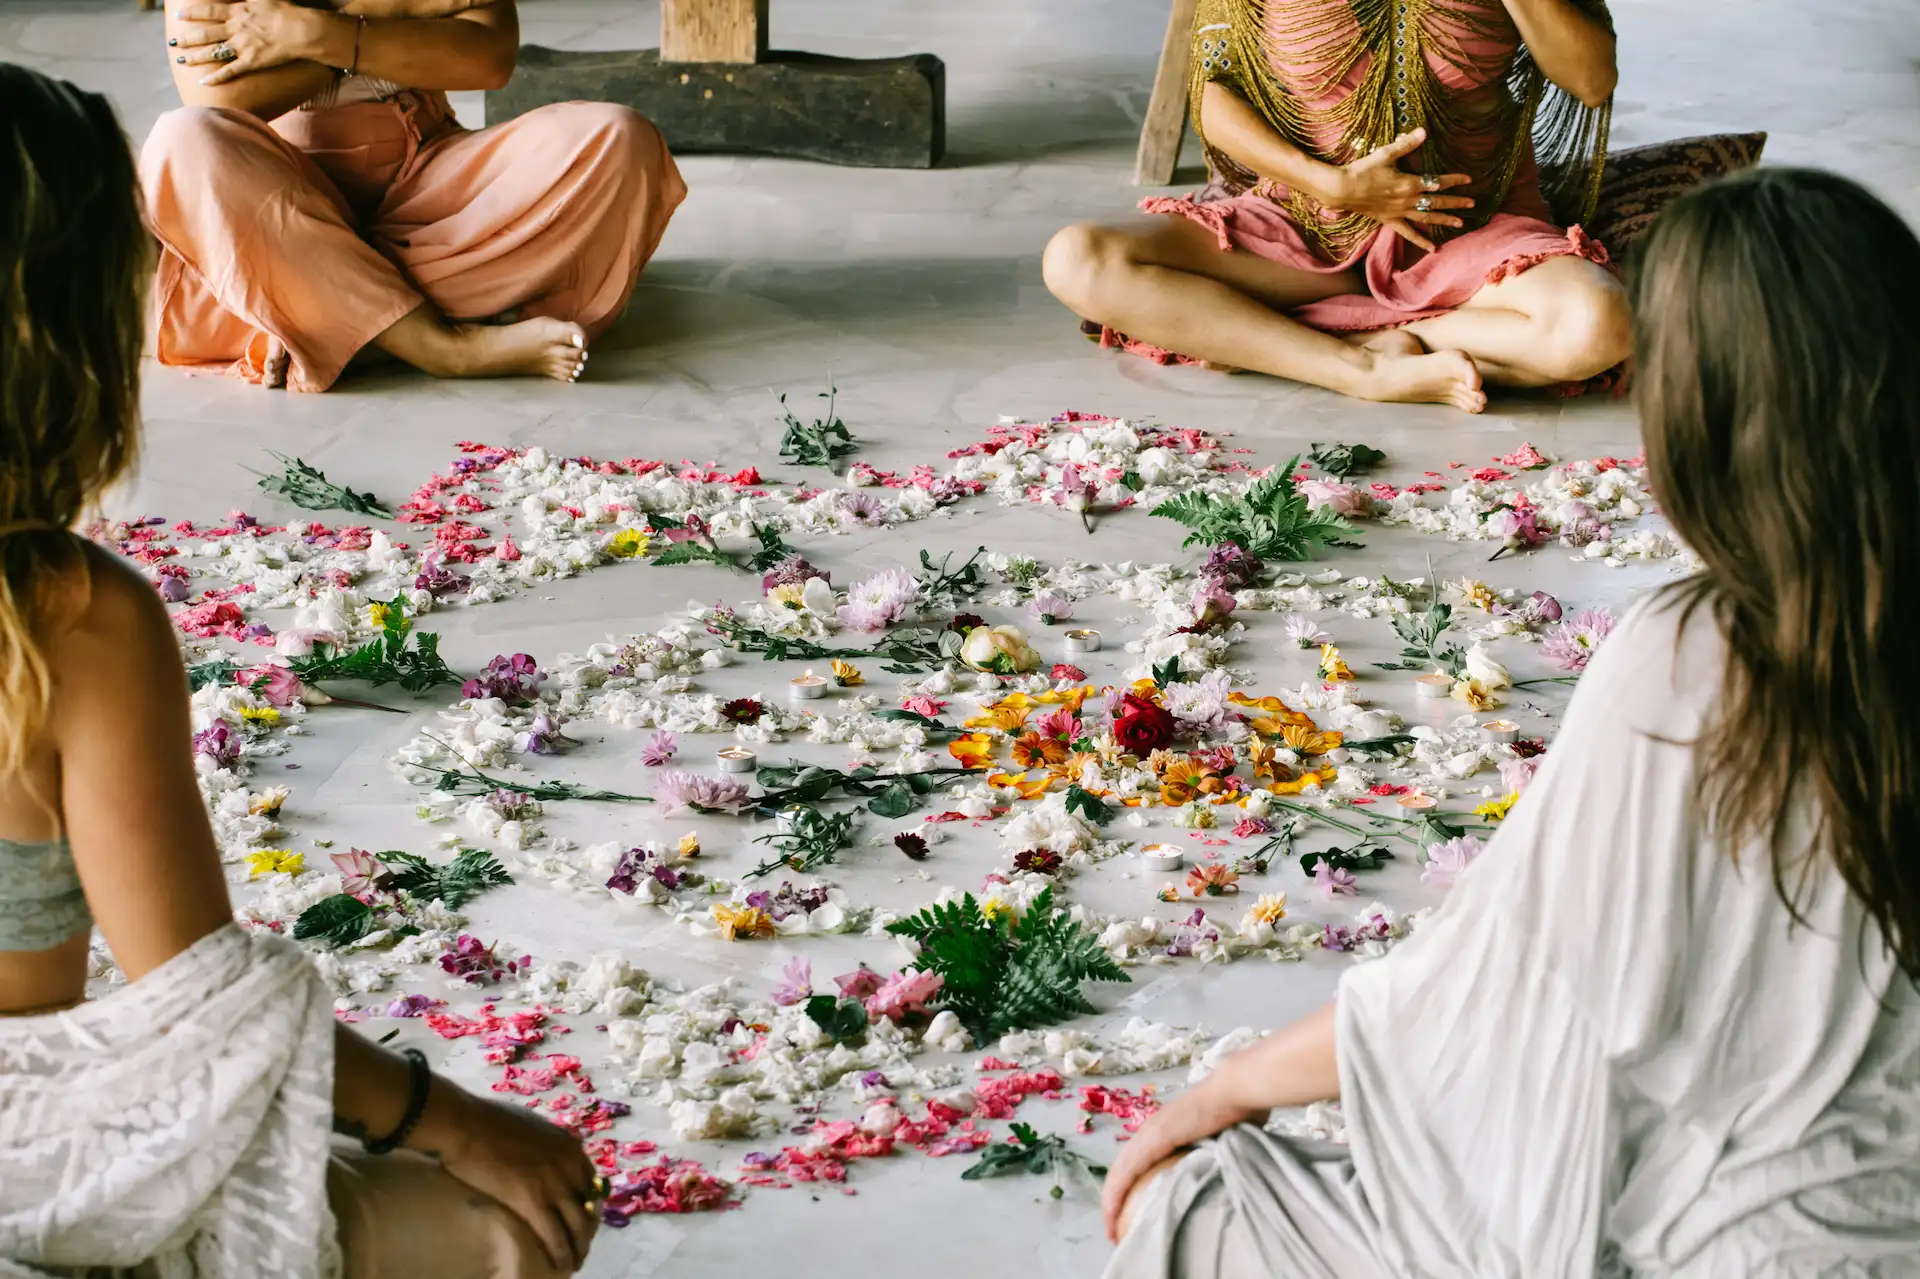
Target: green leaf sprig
945, 587
1003, 975
819, 442
398, 655
1421, 636
342, 919
1269, 519
309, 489
843, 1020
1030, 1152
1342, 460
811, 840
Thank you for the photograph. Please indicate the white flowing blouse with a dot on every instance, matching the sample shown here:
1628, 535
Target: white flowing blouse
1613, 1051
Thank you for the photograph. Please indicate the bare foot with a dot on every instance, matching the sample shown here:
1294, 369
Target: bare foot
1214, 366
1443, 377
542, 347
274, 375
1385, 342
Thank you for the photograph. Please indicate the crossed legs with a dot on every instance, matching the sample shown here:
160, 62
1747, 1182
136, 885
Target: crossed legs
1165, 280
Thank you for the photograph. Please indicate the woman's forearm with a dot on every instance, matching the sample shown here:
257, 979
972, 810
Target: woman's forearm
1294, 1066
473, 50
370, 1090
1574, 49
1232, 125
406, 8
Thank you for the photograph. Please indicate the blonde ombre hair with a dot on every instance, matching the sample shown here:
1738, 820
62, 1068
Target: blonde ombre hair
75, 258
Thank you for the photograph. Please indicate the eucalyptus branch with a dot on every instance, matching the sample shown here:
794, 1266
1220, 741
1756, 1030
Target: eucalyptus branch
308, 487
469, 780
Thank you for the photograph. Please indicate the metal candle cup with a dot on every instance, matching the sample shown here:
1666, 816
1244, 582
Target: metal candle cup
1418, 802
1435, 685
809, 686
1163, 857
736, 759
1083, 641
1500, 731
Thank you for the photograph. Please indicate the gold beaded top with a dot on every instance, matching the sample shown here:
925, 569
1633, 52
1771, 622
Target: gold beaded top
1339, 78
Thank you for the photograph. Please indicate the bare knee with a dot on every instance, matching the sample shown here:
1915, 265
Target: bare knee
193, 135
1080, 264
1588, 332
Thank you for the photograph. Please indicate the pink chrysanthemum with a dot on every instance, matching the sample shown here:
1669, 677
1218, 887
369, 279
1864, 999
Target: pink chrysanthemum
676, 790
1574, 642
1447, 859
876, 602
659, 749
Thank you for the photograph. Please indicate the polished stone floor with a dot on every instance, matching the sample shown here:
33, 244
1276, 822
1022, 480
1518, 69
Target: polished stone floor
919, 294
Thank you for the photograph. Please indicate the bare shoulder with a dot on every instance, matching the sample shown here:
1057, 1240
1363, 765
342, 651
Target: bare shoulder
115, 611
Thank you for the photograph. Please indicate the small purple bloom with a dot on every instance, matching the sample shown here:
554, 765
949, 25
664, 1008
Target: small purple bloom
474, 962
543, 736
676, 790
1578, 638
218, 743
792, 571
796, 983
659, 749
1333, 881
1230, 567
414, 1005
514, 680
174, 590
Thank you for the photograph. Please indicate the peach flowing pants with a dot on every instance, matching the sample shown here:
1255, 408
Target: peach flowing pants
326, 226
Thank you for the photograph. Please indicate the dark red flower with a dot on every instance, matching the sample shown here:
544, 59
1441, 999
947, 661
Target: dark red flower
1142, 726
1528, 747
1042, 861
912, 845
964, 622
743, 710
1065, 670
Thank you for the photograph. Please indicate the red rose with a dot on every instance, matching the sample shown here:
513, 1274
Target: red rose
1142, 726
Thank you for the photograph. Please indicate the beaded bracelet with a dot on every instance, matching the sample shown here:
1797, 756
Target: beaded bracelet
419, 1083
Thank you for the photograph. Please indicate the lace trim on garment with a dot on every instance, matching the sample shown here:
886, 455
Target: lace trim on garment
181, 1122
41, 902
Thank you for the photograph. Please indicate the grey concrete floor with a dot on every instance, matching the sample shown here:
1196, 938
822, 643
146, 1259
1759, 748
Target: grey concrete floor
920, 294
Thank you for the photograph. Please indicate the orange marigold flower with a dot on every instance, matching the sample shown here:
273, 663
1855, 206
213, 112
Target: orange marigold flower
1035, 751
1183, 781
1005, 716
1212, 881
1319, 777
1332, 669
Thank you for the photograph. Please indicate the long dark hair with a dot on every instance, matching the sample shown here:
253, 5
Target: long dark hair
75, 258
1778, 383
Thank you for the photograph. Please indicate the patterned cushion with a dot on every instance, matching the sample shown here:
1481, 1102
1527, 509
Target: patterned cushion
1640, 182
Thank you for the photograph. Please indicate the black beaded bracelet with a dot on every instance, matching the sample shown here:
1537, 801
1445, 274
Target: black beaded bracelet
419, 1083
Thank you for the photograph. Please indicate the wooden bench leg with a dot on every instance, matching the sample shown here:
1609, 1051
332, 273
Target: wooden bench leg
1166, 121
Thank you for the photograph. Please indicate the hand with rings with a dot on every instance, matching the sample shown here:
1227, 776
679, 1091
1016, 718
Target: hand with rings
1376, 186
244, 37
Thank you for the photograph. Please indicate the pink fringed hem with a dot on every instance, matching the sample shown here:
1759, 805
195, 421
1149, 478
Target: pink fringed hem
1579, 244
1213, 216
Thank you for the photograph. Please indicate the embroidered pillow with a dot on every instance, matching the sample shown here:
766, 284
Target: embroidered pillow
1641, 181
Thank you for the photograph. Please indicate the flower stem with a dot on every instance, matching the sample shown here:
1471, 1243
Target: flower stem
1547, 679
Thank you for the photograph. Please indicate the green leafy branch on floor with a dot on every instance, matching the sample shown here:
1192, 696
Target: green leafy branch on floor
405, 880
945, 587
1000, 974
1421, 636
1342, 460
819, 442
468, 780
398, 655
698, 547
309, 489
1269, 519
811, 840
906, 650
1030, 1152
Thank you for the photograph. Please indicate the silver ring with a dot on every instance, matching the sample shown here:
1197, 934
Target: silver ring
1429, 183
1423, 204
221, 53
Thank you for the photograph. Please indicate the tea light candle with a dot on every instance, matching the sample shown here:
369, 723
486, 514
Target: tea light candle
1500, 731
1418, 802
736, 759
1083, 641
808, 686
787, 817
1163, 857
1435, 685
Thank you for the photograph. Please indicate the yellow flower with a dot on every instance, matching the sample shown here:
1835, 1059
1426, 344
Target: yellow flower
1319, 777
1332, 669
1310, 741
787, 596
1474, 694
1034, 751
974, 751
1168, 893
269, 861
1495, 810
1264, 758
689, 845
1270, 909
742, 923
846, 674
995, 910
1005, 715
377, 616
1478, 594
1021, 785
628, 543
1184, 781
267, 803
265, 716
1072, 698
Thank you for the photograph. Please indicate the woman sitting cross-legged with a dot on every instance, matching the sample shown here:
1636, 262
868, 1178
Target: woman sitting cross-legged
1668, 1023
1392, 235
179, 1124
315, 197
